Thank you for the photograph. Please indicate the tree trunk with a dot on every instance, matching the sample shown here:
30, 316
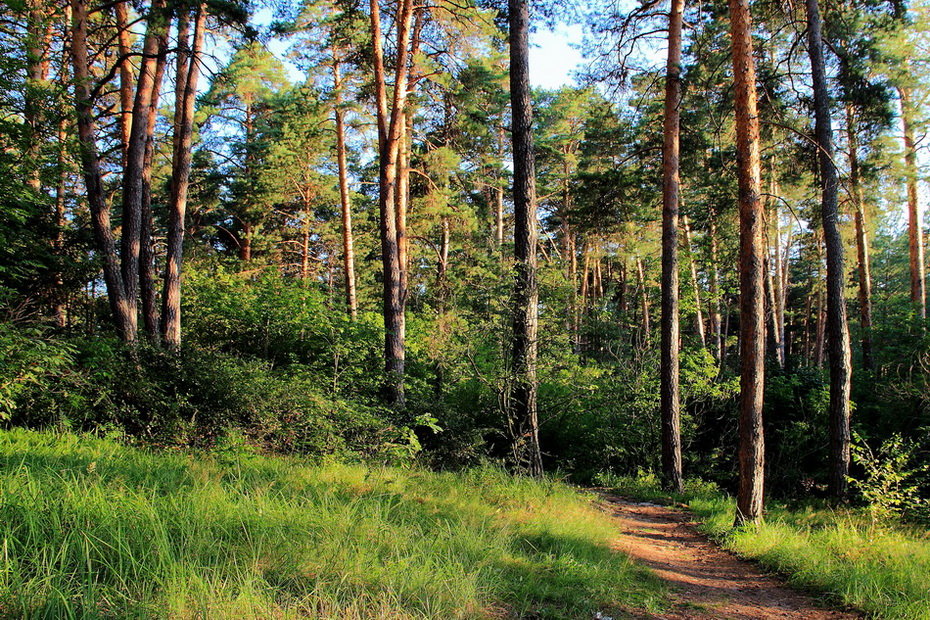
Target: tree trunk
61, 306
864, 267
821, 331
442, 266
62, 316
782, 251
750, 496
150, 318
838, 336
305, 245
692, 261
644, 300
126, 80
622, 287
180, 182
499, 193
123, 312
523, 416
37, 64
348, 242
715, 320
669, 390
914, 219
773, 276
133, 173
390, 134
771, 305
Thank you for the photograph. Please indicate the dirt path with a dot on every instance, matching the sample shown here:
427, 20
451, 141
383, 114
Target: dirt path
706, 581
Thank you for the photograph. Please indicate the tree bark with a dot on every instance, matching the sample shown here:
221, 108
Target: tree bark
668, 372
61, 306
126, 77
643, 300
148, 297
695, 283
133, 172
715, 319
750, 496
864, 267
837, 334
390, 134
773, 276
348, 241
37, 63
523, 415
61, 299
499, 193
914, 212
122, 310
180, 182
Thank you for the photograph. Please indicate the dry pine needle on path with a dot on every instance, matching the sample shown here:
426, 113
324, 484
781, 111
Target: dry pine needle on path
707, 582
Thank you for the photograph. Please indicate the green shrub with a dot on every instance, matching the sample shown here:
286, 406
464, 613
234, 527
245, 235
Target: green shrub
190, 398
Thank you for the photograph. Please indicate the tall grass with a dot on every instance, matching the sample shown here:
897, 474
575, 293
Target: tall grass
880, 568
91, 528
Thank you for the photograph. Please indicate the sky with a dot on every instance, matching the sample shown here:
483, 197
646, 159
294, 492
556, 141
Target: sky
555, 55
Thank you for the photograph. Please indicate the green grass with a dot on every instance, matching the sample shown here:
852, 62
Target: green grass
883, 569
92, 528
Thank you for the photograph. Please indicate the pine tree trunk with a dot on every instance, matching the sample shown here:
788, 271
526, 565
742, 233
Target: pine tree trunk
915, 216
134, 171
390, 134
499, 194
821, 330
643, 300
180, 182
695, 283
62, 317
123, 312
750, 495
838, 336
37, 64
348, 242
148, 297
864, 267
305, 245
523, 415
126, 78
668, 372
781, 286
715, 319
773, 279
61, 306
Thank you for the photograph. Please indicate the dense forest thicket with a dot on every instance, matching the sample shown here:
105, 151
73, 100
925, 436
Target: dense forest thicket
349, 229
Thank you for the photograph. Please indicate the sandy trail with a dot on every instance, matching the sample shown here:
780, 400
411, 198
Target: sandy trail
707, 582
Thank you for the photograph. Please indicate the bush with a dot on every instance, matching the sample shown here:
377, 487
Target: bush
892, 479
193, 398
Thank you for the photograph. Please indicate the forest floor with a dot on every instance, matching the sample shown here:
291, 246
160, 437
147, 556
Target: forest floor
706, 582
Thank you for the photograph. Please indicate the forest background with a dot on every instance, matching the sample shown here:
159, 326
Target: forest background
263, 190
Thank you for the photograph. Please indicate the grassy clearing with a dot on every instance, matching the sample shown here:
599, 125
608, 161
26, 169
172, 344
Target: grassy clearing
880, 569
91, 528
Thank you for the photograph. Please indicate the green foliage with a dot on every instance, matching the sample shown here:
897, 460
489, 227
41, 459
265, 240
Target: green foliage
192, 398
892, 482
269, 317
92, 528
29, 362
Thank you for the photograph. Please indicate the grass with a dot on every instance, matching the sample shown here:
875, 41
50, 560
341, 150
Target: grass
883, 569
91, 528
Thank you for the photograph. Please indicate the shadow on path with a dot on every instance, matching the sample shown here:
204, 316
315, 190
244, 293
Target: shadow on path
707, 582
